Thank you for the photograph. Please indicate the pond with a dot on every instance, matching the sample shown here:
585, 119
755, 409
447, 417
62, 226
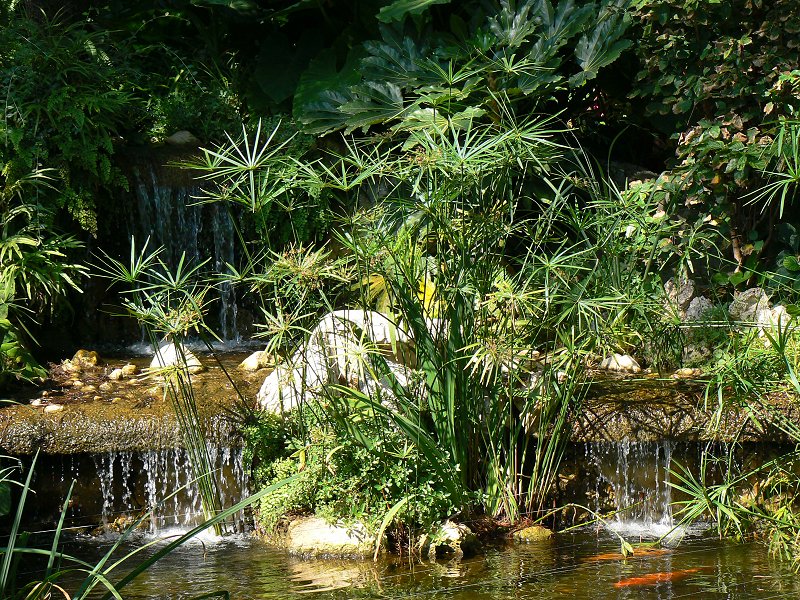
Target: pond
582, 565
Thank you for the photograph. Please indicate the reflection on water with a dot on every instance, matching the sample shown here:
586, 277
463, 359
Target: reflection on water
576, 567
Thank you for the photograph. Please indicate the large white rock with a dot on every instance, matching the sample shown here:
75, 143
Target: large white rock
337, 352
313, 536
168, 356
697, 308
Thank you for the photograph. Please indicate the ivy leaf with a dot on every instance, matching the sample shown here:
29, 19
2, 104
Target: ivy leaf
398, 9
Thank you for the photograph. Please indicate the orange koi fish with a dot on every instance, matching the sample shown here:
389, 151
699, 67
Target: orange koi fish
655, 578
637, 553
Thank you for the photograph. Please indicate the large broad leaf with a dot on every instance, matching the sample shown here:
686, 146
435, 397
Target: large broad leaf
397, 10
513, 26
373, 103
394, 59
321, 92
602, 46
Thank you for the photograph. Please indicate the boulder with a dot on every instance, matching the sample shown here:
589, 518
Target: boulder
620, 363
335, 352
313, 536
257, 360
750, 306
451, 539
168, 356
182, 138
679, 292
533, 534
697, 308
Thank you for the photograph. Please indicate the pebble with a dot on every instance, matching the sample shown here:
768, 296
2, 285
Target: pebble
97, 398
52, 408
105, 387
77, 383
38, 402
116, 375
89, 388
129, 370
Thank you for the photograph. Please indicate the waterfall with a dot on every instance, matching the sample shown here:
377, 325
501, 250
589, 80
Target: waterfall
634, 479
168, 213
161, 481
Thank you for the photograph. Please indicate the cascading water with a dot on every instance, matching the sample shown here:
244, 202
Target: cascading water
634, 477
162, 480
170, 216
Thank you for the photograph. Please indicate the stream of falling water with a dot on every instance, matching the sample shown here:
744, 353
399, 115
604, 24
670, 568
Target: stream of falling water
172, 218
636, 478
162, 480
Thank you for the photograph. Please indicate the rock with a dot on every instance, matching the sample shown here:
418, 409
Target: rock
105, 387
313, 536
679, 294
97, 398
697, 308
89, 388
533, 534
687, 373
77, 383
621, 363
85, 359
38, 402
182, 138
451, 539
334, 352
116, 375
750, 306
168, 356
129, 370
257, 360
53, 408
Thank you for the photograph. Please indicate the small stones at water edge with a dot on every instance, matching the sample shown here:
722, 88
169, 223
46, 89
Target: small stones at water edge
620, 363
687, 373
53, 408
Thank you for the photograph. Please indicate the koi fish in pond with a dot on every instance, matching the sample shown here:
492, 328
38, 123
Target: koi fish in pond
656, 578
637, 553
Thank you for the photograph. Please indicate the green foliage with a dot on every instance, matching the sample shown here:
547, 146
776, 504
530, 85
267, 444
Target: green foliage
719, 79
66, 100
421, 82
35, 271
337, 477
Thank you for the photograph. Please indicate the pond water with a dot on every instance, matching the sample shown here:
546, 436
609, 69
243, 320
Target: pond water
573, 566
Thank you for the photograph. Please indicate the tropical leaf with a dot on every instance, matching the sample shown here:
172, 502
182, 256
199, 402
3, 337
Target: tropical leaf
398, 9
602, 46
373, 103
322, 90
